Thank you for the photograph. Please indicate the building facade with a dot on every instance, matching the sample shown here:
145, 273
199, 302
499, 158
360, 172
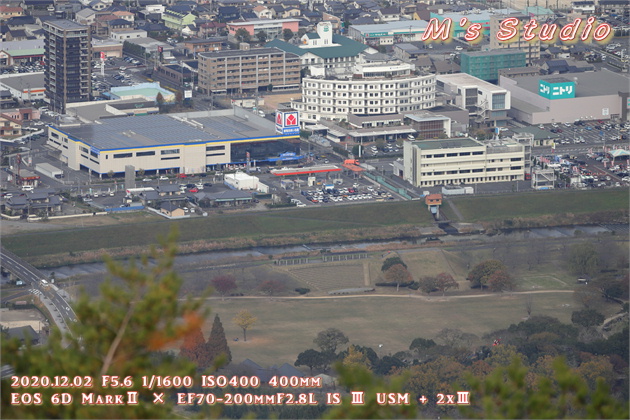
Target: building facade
486, 64
486, 103
185, 143
569, 97
248, 70
531, 48
456, 161
371, 90
67, 76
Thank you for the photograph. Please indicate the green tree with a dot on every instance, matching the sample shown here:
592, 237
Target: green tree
480, 274
330, 339
587, 318
159, 99
445, 281
262, 36
111, 174
356, 358
244, 319
224, 284
392, 261
242, 35
398, 274
313, 359
583, 259
218, 349
506, 394
121, 332
428, 284
287, 34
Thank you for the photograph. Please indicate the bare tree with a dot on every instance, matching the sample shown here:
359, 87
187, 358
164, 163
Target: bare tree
529, 304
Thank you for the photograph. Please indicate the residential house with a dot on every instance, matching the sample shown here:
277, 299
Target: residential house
86, 16
210, 29
7, 12
125, 15
172, 209
98, 5
290, 12
9, 126
262, 12
389, 14
228, 14
177, 20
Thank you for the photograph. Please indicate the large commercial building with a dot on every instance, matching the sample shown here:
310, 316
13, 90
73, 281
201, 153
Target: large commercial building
376, 90
463, 161
180, 143
569, 97
486, 103
68, 63
247, 70
486, 64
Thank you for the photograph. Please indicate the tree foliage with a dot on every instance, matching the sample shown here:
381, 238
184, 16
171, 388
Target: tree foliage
121, 332
356, 358
427, 284
272, 287
242, 35
313, 359
244, 319
218, 349
287, 34
500, 281
480, 274
583, 259
587, 317
224, 284
505, 393
262, 36
330, 340
194, 348
391, 261
444, 282
398, 274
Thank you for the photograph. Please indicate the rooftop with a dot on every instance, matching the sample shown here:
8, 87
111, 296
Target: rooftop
345, 47
23, 81
165, 130
240, 53
66, 25
587, 84
463, 79
447, 144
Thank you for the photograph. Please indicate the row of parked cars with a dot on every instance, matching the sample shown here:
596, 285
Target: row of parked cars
347, 194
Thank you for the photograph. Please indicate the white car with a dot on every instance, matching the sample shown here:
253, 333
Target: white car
163, 178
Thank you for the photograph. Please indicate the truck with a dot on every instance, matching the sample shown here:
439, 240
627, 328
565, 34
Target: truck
49, 170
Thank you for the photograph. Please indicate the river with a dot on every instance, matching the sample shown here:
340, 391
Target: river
209, 257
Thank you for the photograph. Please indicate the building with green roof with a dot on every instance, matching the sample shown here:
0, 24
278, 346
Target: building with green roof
324, 48
21, 52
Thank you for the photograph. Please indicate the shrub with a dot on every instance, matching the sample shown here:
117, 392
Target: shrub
302, 290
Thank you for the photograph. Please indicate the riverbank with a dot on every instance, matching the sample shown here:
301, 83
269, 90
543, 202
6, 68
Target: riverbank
131, 236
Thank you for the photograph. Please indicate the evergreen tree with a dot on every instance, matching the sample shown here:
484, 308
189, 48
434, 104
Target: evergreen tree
217, 343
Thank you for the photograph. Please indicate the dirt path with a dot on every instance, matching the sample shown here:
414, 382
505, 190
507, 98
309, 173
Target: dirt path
425, 298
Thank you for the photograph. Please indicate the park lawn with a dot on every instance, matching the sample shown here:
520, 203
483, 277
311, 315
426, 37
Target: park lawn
287, 327
535, 204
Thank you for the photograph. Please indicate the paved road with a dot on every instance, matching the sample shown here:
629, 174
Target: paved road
51, 296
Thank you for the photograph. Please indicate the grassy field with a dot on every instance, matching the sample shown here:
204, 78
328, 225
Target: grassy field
287, 327
480, 208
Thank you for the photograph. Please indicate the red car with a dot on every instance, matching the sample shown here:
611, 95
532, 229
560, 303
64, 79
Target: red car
181, 175
193, 190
